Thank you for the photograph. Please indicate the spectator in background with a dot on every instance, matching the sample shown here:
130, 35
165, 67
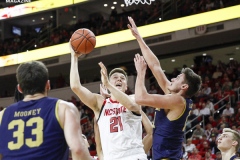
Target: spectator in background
209, 105
212, 121
195, 110
206, 91
205, 112
228, 111
227, 84
195, 155
204, 148
152, 89
232, 121
208, 155
217, 74
218, 4
208, 130
224, 121
1, 108
218, 156
189, 146
198, 132
190, 118
213, 144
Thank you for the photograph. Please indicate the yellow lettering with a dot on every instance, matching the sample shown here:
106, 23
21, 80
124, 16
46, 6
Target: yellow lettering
38, 110
34, 112
16, 114
30, 113
25, 113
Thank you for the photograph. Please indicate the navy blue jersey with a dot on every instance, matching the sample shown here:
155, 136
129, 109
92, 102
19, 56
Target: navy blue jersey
31, 131
168, 135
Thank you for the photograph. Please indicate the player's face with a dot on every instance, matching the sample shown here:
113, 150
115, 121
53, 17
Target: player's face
119, 81
225, 141
176, 83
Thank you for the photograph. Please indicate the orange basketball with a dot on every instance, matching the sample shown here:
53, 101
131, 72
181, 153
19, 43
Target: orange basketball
83, 41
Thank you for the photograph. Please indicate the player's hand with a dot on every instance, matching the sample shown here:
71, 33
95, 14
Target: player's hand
133, 28
104, 75
73, 53
140, 64
104, 91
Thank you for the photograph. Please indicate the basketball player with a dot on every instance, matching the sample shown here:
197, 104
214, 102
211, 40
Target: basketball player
40, 127
229, 143
172, 109
118, 117
147, 140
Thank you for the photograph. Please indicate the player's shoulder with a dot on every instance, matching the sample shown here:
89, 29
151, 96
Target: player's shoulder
65, 104
176, 98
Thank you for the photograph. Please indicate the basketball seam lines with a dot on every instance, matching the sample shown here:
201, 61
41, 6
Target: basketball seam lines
85, 38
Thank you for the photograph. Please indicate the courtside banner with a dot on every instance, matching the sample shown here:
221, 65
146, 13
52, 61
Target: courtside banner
125, 35
25, 7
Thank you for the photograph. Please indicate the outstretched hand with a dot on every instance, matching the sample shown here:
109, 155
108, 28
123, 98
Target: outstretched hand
104, 91
104, 75
73, 53
133, 28
140, 64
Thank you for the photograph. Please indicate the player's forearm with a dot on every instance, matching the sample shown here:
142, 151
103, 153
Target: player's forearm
147, 124
74, 75
140, 89
82, 155
148, 55
123, 98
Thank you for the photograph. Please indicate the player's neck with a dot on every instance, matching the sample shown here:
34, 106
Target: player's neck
113, 98
34, 97
227, 154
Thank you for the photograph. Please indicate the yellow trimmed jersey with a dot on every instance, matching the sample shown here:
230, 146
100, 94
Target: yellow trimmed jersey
168, 134
31, 131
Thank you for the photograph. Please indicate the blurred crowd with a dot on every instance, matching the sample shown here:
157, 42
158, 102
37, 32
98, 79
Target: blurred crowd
50, 35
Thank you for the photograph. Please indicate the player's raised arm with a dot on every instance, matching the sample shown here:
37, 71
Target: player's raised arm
142, 97
87, 97
70, 121
151, 59
121, 97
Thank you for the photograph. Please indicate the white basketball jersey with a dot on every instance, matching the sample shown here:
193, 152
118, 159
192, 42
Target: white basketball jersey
120, 132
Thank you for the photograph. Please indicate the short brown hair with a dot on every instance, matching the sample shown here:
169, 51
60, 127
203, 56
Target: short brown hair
32, 77
236, 136
118, 70
193, 80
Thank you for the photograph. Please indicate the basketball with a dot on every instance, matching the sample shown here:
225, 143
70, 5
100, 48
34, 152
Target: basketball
83, 41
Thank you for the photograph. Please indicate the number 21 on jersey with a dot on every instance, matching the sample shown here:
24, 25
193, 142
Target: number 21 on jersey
116, 124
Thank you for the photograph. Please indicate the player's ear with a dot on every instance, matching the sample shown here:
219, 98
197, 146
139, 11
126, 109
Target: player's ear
19, 89
184, 86
234, 143
48, 85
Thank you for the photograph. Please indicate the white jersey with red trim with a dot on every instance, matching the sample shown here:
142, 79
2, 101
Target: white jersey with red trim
120, 132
